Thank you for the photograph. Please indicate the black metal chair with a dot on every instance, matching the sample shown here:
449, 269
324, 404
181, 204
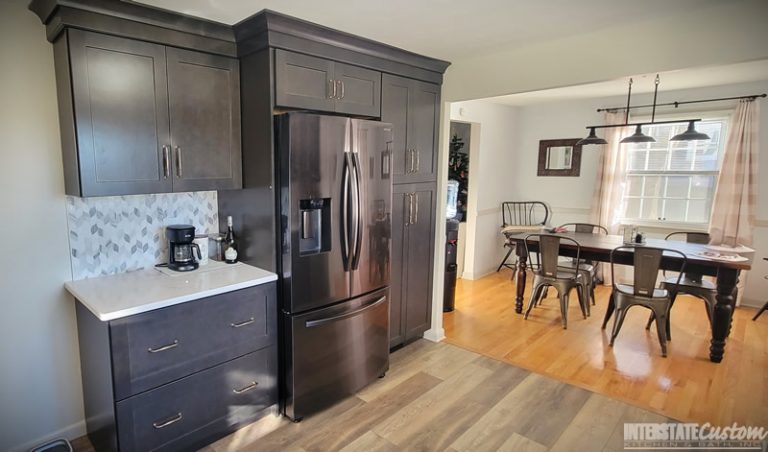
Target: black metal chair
518, 217
547, 273
691, 283
588, 267
643, 292
765, 306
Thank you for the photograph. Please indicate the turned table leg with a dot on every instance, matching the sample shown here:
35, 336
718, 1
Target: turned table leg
721, 320
522, 258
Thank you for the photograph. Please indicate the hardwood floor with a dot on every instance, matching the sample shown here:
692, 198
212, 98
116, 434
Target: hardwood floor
442, 397
684, 386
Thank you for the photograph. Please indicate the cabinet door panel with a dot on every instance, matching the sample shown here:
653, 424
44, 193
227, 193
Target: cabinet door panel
418, 289
121, 110
302, 81
394, 110
204, 107
400, 203
360, 90
422, 131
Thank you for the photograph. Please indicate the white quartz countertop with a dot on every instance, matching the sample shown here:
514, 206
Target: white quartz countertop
116, 296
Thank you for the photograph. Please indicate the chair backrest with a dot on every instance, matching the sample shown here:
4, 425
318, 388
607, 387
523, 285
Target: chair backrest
690, 237
548, 251
647, 263
524, 213
587, 228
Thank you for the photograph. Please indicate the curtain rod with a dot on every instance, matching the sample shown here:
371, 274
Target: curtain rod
677, 104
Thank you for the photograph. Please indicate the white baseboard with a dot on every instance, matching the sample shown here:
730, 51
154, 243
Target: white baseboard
70, 432
434, 334
478, 275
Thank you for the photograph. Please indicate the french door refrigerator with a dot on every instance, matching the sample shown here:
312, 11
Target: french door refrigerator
335, 197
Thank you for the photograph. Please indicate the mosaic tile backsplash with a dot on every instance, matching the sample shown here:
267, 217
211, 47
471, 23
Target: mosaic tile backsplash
124, 233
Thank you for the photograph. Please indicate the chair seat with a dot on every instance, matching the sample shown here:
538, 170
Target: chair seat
703, 284
515, 228
582, 266
628, 289
562, 273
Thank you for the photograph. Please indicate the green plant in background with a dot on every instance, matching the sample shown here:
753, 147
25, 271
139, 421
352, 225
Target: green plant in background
458, 170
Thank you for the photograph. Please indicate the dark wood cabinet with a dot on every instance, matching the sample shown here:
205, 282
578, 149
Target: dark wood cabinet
413, 107
181, 376
413, 232
312, 83
138, 117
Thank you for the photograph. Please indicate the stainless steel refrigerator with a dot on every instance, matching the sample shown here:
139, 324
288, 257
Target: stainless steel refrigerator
334, 177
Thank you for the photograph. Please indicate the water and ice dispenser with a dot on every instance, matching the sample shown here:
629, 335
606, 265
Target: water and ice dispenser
315, 226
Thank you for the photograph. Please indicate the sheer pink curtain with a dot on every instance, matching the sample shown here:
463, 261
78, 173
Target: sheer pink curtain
733, 209
607, 205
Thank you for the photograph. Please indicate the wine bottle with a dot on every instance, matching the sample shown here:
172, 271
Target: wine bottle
230, 247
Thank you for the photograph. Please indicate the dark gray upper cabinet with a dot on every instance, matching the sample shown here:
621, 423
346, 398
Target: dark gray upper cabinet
204, 100
413, 107
138, 117
413, 229
121, 115
307, 82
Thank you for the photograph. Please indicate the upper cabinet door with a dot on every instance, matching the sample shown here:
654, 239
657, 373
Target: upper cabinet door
204, 105
358, 90
302, 81
413, 108
424, 109
120, 97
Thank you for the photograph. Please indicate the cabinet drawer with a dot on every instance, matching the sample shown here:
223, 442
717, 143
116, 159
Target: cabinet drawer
200, 407
161, 346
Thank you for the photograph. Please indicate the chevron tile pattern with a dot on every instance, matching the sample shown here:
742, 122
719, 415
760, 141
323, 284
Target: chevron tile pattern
118, 234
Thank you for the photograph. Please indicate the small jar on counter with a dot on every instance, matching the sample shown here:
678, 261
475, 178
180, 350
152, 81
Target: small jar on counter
217, 246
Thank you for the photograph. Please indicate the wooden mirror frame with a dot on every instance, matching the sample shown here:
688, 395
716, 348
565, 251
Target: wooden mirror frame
575, 168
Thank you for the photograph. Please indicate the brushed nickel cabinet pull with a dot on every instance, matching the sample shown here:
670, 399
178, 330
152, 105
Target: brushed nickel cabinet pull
167, 422
166, 162
341, 96
247, 388
416, 153
416, 215
410, 209
178, 162
331, 89
243, 323
173, 344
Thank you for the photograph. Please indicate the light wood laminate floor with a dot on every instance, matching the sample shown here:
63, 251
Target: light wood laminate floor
684, 386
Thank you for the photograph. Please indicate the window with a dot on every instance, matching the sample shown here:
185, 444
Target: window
674, 181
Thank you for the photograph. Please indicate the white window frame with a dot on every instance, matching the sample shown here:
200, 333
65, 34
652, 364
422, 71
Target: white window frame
723, 115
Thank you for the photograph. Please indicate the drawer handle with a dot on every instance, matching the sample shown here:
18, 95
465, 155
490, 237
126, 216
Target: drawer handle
167, 422
173, 344
252, 385
243, 323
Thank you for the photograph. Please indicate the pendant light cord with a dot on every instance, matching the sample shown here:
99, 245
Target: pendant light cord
655, 93
629, 96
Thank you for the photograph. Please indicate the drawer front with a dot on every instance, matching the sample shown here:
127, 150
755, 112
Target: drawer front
161, 346
199, 408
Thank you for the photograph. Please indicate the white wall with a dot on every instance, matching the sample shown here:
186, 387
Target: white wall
713, 33
490, 162
570, 198
40, 392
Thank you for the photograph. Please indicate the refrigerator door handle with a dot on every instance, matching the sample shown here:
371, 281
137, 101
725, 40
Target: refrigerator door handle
356, 218
323, 321
345, 211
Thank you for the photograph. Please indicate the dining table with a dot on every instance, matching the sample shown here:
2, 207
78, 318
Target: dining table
598, 247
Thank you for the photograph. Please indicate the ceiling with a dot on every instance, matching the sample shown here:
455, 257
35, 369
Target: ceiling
669, 81
446, 29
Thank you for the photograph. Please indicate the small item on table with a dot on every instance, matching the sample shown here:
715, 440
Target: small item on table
639, 238
202, 243
217, 247
230, 255
629, 234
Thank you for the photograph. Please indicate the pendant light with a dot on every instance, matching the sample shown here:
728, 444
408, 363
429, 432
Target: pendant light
690, 135
638, 137
591, 139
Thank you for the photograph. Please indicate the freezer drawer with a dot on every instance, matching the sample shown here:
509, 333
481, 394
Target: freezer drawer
335, 351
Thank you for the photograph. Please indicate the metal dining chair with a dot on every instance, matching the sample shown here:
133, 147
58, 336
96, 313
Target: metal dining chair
765, 306
643, 292
588, 267
518, 217
691, 283
547, 273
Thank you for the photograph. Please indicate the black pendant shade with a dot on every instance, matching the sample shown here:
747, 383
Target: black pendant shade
591, 139
638, 137
690, 135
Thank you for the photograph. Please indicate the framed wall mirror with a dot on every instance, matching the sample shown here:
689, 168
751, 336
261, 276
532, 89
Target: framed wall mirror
559, 158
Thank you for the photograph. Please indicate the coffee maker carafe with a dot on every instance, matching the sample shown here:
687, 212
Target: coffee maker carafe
180, 246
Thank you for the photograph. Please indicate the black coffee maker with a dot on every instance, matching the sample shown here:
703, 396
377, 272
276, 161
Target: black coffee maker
180, 246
